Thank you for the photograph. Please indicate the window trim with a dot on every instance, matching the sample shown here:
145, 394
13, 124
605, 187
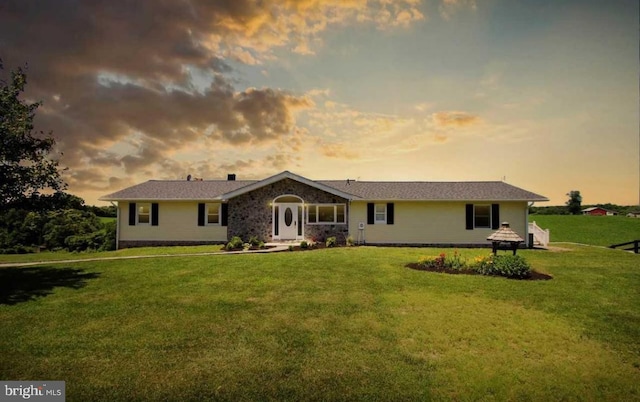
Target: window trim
139, 206
377, 221
488, 206
207, 206
317, 214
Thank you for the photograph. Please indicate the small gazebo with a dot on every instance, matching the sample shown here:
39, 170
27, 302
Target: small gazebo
505, 235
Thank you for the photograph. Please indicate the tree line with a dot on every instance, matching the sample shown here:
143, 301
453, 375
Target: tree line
574, 206
58, 221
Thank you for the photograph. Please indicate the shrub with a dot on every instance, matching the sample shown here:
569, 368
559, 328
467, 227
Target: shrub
331, 241
509, 266
83, 242
109, 242
235, 243
68, 222
304, 244
290, 248
261, 245
254, 241
512, 266
350, 241
18, 249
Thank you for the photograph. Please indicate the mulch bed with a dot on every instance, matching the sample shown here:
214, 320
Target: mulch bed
535, 276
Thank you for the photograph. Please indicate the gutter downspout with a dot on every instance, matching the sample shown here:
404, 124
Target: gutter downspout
117, 225
526, 223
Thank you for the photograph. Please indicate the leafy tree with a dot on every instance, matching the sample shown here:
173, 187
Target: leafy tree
25, 167
574, 204
62, 224
551, 210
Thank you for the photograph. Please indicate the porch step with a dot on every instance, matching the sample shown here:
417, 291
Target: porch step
283, 243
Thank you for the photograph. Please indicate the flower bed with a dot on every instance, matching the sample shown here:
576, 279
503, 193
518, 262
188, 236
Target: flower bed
508, 266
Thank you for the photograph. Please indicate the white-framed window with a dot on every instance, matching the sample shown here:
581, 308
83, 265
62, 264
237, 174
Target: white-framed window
326, 213
144, 213
213, 214
482, 216
380, 214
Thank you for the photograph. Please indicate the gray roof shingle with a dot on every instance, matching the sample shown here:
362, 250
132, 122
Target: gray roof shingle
176, 190
182, 190
435, 191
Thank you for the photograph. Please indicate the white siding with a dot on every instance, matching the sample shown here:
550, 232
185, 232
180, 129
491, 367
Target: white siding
177, 221
433, 222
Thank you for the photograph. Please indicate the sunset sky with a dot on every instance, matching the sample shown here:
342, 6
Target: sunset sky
541, 93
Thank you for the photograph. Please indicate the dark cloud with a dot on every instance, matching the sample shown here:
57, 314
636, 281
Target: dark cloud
109, 71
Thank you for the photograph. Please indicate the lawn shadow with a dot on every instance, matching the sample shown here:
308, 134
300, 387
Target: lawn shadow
19, 285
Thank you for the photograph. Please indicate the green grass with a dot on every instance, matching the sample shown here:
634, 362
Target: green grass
333, 324
106, 219
66, 255
594, 230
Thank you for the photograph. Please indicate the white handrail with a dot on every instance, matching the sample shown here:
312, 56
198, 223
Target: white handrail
540, 235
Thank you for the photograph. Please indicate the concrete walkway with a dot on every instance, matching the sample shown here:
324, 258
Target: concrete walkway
275, 247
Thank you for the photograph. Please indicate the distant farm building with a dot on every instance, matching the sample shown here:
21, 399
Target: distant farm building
598, 211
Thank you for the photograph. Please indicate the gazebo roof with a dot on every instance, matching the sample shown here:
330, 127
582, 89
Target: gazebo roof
505, 234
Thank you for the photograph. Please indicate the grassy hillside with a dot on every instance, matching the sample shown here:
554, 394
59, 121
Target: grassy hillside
595, 230
334, 324
106, 219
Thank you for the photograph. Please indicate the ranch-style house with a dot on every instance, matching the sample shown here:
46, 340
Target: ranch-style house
288, 207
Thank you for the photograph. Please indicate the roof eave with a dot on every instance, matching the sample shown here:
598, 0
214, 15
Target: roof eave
449, 199
160, 199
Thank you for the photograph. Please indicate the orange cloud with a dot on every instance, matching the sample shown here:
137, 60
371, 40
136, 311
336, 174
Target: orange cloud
455, 119
339, 151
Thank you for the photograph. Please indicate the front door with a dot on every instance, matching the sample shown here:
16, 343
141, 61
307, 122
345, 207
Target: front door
288, 221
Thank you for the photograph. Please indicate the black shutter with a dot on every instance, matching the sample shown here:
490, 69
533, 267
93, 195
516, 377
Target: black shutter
469, 209
154, 214
132, 214
390, 213
225, 214
371, 214
495, 216
201, 214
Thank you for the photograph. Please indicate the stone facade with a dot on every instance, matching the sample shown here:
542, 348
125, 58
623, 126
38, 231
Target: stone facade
251, 214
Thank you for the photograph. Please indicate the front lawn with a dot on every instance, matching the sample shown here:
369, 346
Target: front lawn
585, 229
332, 324
67, 255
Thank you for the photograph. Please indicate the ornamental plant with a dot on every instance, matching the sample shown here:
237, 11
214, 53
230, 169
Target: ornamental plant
254, 241
235, 243
512, 266
433, 262
509, 266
